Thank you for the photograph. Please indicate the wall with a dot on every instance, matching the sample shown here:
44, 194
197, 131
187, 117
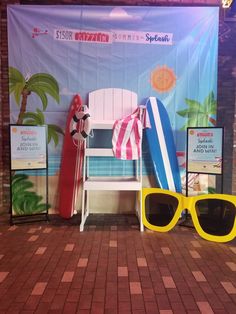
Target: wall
4, 111
227, 99
226, 86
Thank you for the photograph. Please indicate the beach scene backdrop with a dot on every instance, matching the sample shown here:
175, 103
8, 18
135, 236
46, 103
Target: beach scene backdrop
57, 52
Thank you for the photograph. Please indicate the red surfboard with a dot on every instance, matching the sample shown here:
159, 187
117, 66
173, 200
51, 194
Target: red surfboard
71, 166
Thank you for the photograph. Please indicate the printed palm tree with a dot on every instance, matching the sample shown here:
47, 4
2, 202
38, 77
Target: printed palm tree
24, 200
42, 84
198, 114
37, 118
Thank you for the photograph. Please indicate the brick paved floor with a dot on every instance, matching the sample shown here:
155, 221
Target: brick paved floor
50, 267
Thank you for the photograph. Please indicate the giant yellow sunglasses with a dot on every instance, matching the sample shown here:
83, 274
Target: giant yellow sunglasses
213, 215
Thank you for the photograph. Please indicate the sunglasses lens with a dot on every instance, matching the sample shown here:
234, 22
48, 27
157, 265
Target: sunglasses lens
160, 208
216, 216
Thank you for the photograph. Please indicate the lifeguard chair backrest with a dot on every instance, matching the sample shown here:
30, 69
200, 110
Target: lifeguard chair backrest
112, 103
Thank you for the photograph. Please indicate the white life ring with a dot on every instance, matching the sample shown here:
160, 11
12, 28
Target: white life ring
81, 131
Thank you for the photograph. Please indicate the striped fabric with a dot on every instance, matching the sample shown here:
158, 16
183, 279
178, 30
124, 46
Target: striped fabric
127, 137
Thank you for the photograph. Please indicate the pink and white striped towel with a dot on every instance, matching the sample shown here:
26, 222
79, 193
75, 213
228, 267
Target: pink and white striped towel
127, 136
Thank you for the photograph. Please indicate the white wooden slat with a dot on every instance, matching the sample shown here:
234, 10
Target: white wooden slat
103, 124
108, 104
99, 152
117, 103
112, 185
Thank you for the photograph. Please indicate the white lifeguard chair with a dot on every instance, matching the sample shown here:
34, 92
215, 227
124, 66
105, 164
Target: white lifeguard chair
105, 107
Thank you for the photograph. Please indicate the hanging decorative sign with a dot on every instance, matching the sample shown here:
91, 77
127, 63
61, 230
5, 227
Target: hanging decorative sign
204, 150
102, 37
28, 147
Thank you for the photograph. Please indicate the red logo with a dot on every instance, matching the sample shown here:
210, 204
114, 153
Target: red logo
37, 31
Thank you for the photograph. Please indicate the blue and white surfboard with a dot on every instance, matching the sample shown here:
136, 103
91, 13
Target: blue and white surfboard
162, 147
